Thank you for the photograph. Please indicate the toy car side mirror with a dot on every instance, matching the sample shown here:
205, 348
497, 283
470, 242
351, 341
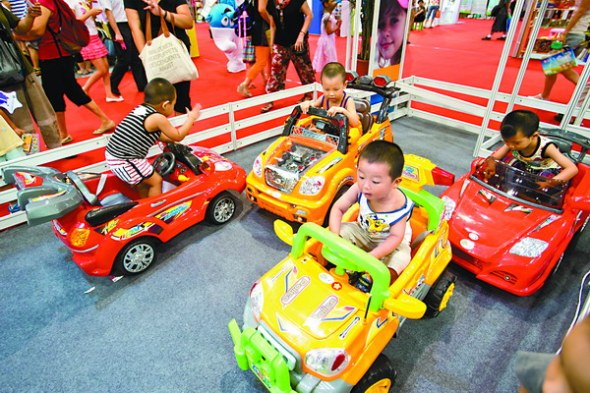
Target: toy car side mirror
406, 306
284, 231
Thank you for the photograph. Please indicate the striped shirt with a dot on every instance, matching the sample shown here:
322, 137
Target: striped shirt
131, 140
18, 8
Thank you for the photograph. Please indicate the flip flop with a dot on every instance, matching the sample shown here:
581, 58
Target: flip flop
100, 131
268, 107
67, 140
243, 90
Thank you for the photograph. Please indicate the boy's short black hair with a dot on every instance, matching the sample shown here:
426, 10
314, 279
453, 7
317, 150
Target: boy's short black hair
332, 70
387, 152
521, 120
159, 90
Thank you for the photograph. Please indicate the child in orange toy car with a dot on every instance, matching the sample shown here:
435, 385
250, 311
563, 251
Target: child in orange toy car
335, 100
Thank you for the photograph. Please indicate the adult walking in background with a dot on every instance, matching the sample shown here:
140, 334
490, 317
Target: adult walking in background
433, 7
126, 52
176, 11
289, 21
95, 52
29, 92
502, 12
57, 72
261, 48
573, 36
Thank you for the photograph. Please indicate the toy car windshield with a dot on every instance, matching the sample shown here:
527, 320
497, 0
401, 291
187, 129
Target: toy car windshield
520, 185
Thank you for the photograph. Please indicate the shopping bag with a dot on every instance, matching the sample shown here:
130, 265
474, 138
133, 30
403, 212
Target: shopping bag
166, 56
559, 62
11, 70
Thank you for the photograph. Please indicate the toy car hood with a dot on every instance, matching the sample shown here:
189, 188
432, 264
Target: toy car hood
493, 223
310, 304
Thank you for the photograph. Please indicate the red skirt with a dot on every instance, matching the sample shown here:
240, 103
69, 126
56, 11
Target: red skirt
95, 49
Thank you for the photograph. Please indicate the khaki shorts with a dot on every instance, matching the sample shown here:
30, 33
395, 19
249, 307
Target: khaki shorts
397, 260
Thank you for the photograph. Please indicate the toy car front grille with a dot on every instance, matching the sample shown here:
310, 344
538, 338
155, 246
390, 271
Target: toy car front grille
460, 254
280, 179
508, 277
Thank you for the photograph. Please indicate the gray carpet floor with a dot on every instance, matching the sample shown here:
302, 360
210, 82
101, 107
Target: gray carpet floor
165, 330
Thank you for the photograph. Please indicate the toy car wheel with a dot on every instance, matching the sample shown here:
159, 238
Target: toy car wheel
136, 257
438, 297
221, 209
379, 378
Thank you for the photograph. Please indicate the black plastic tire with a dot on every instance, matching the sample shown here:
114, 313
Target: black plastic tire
136, 257
221, 209
435, 299
381, 373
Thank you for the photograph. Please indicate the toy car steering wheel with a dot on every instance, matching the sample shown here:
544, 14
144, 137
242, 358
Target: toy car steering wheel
164, 164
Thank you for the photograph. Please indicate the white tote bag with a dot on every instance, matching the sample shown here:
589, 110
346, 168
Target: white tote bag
166, 56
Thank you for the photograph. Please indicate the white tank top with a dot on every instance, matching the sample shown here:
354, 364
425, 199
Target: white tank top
378, 224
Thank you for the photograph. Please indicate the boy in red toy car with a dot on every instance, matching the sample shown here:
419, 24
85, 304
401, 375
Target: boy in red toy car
335, 100
382, 227
532, 152
128, 147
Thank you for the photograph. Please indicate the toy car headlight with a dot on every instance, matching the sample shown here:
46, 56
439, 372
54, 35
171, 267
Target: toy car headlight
327, 361
257, 166
529, 247
450, 206
312, 185
256, 300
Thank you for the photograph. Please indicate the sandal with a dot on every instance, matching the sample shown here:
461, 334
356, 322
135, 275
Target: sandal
243, 90
67, 140
267, 108
487, 38
110, 128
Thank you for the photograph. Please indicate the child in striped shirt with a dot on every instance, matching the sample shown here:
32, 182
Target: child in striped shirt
129, 145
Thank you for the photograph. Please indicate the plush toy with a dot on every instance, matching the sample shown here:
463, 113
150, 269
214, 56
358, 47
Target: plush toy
222, 21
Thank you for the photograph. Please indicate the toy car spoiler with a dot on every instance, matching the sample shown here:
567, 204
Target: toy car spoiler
380, 84
41, 193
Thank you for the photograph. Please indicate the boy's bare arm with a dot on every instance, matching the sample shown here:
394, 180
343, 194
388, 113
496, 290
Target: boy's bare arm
500, 153
349, 112
396, 235
341, 206
568, 168
169, 132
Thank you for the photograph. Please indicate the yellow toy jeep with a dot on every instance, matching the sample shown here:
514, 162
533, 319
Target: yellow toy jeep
308, 327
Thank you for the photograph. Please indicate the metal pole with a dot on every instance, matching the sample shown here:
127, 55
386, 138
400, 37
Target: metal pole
406, 36
347, 62
497, 79
374, 37
355, 41
580, 87
527, 53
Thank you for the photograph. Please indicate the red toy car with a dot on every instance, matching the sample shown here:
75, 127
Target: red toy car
509, 230
105, 224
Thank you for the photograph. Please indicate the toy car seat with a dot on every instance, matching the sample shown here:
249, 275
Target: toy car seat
363, 109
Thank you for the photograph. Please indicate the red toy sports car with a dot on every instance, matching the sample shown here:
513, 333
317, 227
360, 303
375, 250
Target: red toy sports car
104, 223
509, 230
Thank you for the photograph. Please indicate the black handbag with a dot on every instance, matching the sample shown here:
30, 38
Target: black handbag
11, 69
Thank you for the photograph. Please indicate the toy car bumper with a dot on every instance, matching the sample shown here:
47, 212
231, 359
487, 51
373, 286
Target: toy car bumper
287, 207
86, 258
253, 352
499, 278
